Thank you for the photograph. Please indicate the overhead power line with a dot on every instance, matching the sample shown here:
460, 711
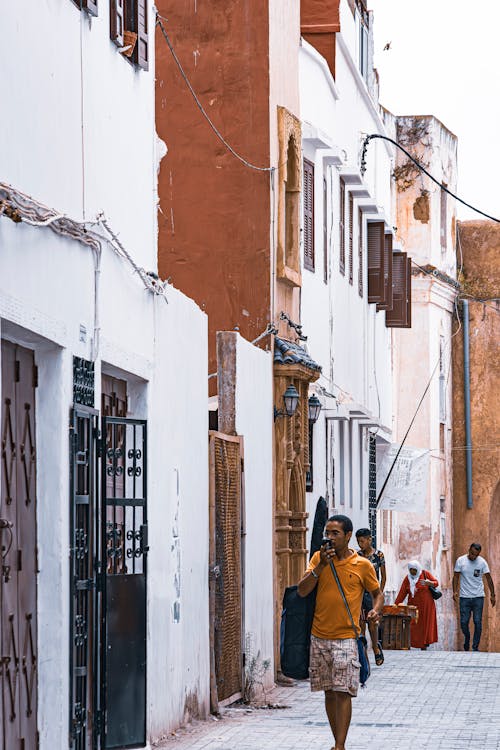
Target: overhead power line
422, 169
160, 24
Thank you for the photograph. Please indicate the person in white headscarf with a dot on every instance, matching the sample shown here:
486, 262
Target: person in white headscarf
416, 587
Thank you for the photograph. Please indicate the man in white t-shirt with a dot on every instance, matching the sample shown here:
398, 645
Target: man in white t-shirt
468, 587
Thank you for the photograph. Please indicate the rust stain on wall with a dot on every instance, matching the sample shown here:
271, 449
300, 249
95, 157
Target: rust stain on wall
191, 707
421, 208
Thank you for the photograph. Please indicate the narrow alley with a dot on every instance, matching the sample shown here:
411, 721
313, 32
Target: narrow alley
439, 700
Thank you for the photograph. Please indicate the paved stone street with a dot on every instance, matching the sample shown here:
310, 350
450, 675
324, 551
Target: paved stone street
416, 701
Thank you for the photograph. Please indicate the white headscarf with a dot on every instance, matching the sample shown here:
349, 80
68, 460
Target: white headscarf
413, 579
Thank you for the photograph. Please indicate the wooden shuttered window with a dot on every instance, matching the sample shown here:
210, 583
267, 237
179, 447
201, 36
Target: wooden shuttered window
375, 247
117, 21
308, 215
386, 303
400, 315
90, 6
342, 226
444, 215
129, 28
325, 232
360, 253
142, 51
351, 238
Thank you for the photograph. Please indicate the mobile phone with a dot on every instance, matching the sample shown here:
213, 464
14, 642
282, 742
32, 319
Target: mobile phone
327, 543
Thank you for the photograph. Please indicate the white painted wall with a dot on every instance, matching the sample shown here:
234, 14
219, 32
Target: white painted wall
416, 354
254, 420
345, 334
78, 126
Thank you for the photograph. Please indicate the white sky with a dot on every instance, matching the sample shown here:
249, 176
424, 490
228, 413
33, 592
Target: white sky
444, 60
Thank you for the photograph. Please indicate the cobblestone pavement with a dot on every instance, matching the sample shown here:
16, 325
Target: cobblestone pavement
415, 701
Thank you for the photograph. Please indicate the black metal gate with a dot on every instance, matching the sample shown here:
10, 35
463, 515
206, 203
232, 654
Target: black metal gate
372, 488
108, 581
124, 533
84, 576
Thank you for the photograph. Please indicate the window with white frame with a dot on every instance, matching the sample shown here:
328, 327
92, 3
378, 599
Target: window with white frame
362, 22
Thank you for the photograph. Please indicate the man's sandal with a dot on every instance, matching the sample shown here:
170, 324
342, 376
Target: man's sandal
379, 656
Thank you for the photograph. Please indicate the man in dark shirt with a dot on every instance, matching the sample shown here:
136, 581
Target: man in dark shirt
377, 559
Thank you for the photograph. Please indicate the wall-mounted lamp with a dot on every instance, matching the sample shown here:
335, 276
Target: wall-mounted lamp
290, 400
314, 408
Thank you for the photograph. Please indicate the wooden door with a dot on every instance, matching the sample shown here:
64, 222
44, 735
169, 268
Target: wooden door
18, 580
226, 580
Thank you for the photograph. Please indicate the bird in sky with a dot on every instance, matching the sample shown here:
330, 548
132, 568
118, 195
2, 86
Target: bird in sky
387, 46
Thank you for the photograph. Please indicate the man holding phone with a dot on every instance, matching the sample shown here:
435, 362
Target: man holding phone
334, 665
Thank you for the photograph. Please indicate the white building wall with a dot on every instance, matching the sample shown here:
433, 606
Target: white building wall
79, 136
254, 414
345, 334
426, 536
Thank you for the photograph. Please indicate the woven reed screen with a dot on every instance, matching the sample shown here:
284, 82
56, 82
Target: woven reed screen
226, 465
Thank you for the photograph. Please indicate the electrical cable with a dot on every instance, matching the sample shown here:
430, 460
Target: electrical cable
421, 167
386, 480
159, 23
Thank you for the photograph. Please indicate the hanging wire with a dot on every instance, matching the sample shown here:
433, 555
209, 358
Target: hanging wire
160, 24
386, 480
421, 167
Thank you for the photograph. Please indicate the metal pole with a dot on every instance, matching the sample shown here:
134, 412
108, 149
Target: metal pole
468, 436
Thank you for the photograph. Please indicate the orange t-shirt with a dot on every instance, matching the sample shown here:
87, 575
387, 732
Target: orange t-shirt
356, 575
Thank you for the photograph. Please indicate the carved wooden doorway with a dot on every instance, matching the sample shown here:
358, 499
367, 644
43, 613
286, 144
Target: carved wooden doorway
18, 580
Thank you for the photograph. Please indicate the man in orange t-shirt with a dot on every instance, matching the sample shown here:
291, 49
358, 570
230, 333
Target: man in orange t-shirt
334, 665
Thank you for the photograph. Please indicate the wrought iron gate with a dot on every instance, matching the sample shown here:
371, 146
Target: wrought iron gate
226, 556
18, 589
85, 718
124, 532
372, 488
108, 580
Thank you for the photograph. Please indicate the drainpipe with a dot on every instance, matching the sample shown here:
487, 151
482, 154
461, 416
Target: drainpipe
468, 436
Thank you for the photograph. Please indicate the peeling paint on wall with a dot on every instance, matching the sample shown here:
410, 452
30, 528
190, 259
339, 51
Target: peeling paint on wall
411, 540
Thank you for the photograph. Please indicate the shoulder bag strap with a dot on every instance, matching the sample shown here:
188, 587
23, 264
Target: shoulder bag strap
335, 575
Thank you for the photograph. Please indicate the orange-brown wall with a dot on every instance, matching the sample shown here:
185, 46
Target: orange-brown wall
480, 244
214, 218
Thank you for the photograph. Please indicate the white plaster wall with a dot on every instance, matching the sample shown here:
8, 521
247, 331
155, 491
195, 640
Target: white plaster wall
254, 415
169, 349
418, 535
345, 334
179, 656
74, 110
78, 125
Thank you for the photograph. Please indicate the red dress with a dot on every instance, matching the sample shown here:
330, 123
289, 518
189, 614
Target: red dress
425, 630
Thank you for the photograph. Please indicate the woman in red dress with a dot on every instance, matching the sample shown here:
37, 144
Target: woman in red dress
415, 586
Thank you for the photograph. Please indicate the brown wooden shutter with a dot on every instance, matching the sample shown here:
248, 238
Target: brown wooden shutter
400, 315
342, 226
319, 23
375, 245
308, 215
90, 6
351, 238
408, 293
444, 225
360, 252
325, 232
141, 27
117, 21
386, 303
